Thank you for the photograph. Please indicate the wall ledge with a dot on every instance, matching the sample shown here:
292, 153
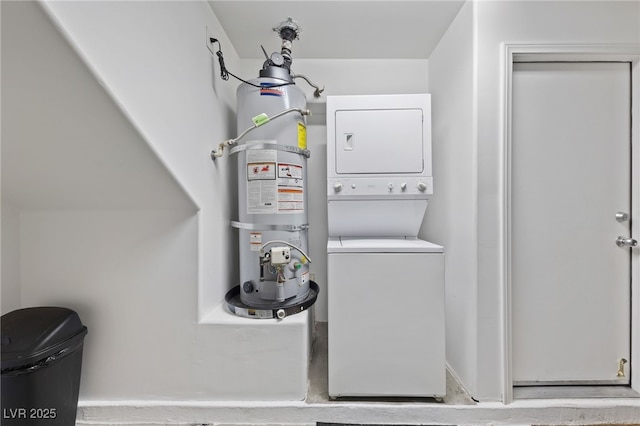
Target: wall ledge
587, 411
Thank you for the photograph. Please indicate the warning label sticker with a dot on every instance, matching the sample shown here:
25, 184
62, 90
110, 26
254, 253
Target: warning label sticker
255, 241
272, 187
261, 171
290, 172
290, 188
290, 200
262, 186
261, 197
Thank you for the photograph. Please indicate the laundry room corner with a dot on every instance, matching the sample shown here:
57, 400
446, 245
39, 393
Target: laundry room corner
328, 213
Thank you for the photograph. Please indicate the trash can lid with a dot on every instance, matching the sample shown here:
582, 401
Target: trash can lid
32, 334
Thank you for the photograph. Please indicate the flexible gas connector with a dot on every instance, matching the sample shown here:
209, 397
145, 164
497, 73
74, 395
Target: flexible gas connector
258, 121
317, 92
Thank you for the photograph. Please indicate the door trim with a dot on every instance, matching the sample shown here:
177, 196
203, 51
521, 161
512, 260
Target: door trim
523, 52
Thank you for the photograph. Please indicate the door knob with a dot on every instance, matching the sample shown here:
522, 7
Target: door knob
626, 242
622, 217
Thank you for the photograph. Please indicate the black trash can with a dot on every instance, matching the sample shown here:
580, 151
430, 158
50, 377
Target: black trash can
41, 363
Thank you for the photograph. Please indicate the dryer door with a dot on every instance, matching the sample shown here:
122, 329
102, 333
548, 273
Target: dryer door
385, 141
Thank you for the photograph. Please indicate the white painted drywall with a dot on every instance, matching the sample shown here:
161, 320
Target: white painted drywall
131, 277
153, 58
136, 293
570, 22
358, 76
10, 258
63, 142
65, 145
168, 88
99, 225
451, 216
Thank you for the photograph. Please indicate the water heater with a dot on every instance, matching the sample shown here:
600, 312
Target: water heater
272, 190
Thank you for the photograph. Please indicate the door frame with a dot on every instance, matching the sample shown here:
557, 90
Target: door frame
527, 52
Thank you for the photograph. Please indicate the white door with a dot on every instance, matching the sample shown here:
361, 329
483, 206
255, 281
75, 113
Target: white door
571, 175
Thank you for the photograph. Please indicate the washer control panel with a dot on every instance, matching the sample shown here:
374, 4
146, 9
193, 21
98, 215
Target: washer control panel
381, 186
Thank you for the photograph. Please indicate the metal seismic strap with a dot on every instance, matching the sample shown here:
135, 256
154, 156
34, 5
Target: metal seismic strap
266, 145
264, 227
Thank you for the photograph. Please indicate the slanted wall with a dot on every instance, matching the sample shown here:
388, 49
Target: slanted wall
109, 111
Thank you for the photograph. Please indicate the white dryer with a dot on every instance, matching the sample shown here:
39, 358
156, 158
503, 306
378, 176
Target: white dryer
385, 286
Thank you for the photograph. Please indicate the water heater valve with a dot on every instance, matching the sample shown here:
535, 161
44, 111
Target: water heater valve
280, 255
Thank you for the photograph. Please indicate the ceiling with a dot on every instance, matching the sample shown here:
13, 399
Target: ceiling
331, 29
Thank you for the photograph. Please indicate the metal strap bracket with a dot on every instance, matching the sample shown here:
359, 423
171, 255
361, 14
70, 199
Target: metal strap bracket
266, 227
266, 145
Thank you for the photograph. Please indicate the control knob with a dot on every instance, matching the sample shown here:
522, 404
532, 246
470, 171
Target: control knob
337, 187
422, 186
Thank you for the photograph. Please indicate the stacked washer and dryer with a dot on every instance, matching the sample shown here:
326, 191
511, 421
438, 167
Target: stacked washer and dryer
385, 285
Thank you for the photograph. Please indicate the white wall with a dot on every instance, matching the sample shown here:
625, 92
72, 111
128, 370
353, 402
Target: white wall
539, 22
496, 22
339, 77
126, 273
123, 216
153, 58
162, 76
10, 260
144, 282
95, 222
451, 216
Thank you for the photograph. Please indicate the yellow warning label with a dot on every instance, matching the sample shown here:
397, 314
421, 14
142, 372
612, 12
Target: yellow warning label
302, 136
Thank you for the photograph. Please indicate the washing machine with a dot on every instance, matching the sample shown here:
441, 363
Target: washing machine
385, 286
